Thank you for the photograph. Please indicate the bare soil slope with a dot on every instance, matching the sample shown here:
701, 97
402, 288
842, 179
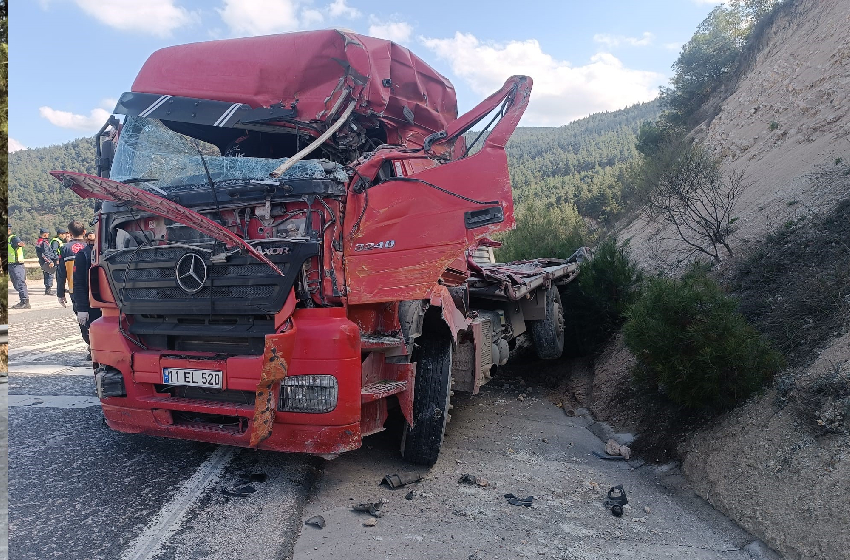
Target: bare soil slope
779, 464
786, 125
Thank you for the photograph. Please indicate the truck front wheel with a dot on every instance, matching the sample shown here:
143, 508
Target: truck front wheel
548, 333
421, 442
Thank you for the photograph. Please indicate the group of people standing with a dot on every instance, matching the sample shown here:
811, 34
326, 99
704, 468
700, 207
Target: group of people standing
65, 257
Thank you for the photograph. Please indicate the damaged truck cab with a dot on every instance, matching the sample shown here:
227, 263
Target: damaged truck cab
285, 240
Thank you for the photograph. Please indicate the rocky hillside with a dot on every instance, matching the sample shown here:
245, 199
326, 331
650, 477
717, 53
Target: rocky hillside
779, 464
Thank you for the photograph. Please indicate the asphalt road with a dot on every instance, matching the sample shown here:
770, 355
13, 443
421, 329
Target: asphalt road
80, 490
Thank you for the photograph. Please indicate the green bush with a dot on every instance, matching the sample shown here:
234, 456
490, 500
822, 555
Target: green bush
693, 344
597, 302
543, 231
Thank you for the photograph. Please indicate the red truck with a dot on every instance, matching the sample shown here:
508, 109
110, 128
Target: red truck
285, 246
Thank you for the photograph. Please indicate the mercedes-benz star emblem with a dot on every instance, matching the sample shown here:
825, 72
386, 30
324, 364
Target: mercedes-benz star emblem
191, 273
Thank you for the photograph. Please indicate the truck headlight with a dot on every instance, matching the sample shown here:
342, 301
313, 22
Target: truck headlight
308, 393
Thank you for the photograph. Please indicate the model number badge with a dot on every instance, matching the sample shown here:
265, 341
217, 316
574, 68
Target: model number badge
379, 245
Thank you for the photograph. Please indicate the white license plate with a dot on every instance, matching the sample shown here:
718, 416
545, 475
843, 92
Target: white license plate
194, 377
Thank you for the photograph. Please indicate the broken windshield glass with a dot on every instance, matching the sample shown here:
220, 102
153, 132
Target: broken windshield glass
157, 158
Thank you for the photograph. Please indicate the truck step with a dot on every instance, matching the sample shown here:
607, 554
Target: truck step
381, 389
198, 405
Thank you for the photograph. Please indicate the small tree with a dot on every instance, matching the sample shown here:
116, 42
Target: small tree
543, 231
694, 346
695, 198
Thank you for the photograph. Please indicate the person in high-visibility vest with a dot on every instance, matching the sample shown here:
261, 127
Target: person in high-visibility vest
56, 244
17, 271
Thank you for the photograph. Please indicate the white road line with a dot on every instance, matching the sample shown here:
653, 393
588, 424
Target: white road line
50, 369
53, 401
167, 521
51, 344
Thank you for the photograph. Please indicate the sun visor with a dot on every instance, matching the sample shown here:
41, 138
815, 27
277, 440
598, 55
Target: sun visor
199, 111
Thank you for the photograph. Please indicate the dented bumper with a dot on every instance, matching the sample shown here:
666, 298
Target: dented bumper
323, 342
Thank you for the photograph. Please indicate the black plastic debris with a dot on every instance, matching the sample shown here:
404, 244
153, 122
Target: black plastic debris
399, 480
316, 521
241, 491
258, 477
372, 508
514, 501
472, 480
409, 495
616, 500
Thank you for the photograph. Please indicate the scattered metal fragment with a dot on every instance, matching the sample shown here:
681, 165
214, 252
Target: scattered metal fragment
399, 480
316, 521
514, 501
616, 500
372, 508
240, 491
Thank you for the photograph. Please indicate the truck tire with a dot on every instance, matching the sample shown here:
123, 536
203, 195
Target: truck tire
548, 334
421, 442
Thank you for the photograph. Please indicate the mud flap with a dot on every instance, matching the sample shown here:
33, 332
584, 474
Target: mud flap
278, 352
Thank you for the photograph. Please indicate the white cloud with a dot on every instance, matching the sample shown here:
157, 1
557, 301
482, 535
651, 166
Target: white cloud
612, 41
562, 92
398, 31
673, 46
66, 119
155, 17
340, 8
260, 17
14, 145
310, 18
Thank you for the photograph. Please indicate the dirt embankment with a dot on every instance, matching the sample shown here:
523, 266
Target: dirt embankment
779, 465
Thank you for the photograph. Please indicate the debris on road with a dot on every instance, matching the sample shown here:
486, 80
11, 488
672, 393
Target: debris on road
514, 501
410, 495
371, 522
372, 508
616, 500
614, 448
473, 480
240, 491
609, 457
398, 480
316, 521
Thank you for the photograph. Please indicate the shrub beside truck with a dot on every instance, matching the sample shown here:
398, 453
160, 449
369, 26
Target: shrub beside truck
289, 243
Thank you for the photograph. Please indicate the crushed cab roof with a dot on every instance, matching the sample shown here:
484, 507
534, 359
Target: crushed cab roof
312, 69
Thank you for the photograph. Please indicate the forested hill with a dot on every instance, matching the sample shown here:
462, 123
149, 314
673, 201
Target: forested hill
584, 163
36, 199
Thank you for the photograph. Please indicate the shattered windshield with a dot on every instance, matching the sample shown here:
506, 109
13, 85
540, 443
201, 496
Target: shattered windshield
154, 157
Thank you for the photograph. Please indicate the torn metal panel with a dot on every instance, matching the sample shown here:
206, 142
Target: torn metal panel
89, 186
278, 353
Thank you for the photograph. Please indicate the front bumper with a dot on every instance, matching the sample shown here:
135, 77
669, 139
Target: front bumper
325, 343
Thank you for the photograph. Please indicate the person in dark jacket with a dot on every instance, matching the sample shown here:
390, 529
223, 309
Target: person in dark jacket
46, 260
86, 314
66, 265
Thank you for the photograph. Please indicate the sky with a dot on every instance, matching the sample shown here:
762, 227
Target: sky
70, 60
